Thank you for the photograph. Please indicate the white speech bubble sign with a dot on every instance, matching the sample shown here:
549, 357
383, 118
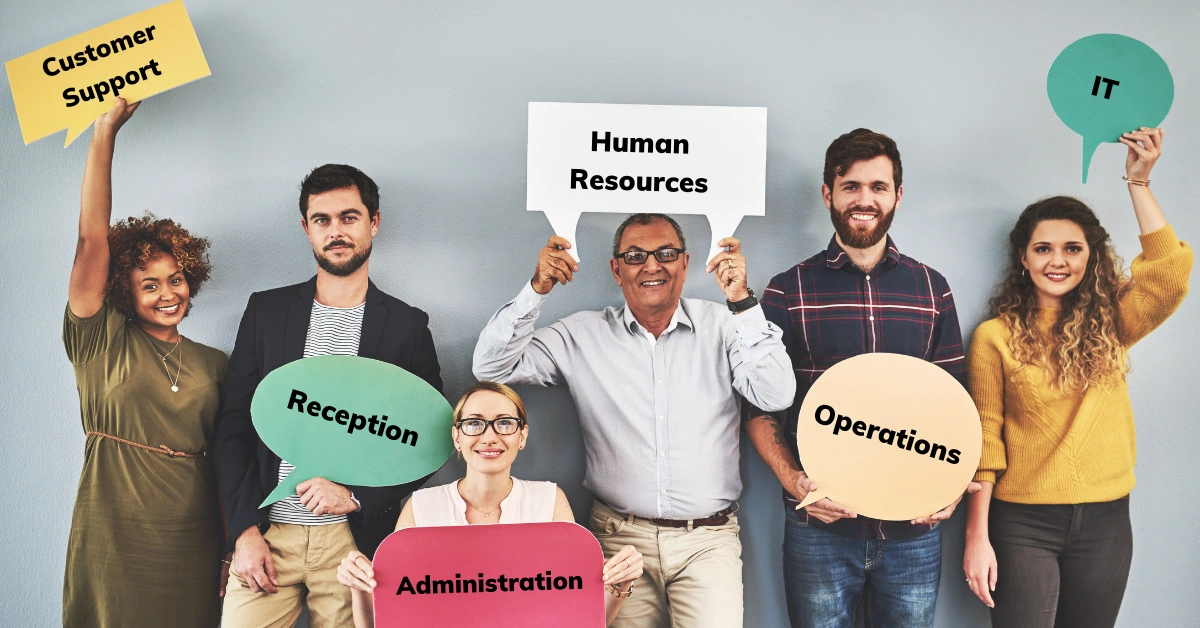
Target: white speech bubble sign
718, 153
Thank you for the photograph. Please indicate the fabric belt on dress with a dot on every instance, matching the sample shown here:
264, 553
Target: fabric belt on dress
161, 449
716, 519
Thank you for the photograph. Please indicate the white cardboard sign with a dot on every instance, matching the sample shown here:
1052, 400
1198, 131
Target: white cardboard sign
629, 159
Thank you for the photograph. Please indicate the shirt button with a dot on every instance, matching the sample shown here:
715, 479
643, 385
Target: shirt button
664, 491
872, 318
660, 381
663, 454
868, 278
660, 417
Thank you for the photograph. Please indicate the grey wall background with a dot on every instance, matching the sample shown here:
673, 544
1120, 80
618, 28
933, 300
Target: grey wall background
430, 99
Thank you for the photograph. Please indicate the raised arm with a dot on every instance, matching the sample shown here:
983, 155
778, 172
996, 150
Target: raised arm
1161, 271
1145, 147
508, 351
90, 271
762, 370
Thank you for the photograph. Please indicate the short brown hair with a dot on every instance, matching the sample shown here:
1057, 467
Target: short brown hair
134, 241
493, 387
861, 145
336, 177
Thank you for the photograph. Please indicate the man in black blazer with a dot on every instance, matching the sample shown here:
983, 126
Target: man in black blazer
287, 554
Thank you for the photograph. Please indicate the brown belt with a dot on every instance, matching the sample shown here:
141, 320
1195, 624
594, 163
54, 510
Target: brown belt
161, 449
716, 519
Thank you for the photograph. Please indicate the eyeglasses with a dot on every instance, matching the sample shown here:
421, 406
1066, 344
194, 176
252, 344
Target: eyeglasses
502, 426
637, 258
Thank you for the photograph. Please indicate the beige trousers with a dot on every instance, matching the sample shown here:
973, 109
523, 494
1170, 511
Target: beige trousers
306, 561
691, 578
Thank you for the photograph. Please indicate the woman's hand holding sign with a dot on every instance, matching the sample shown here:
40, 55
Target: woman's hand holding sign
623, 568
356, 572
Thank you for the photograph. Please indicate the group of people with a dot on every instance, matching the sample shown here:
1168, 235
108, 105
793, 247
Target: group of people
167, 516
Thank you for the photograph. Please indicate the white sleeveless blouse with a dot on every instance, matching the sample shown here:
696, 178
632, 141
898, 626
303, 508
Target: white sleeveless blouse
529, 502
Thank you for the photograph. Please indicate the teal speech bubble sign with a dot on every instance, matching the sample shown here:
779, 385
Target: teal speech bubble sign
351, 420
1104, 85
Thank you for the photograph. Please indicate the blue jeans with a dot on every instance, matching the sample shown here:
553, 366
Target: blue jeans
825, 575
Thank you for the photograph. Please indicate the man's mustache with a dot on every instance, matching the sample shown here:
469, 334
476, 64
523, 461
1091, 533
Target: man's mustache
337, 243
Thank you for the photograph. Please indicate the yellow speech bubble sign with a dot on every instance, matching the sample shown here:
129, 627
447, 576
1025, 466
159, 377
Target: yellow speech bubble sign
70, 83
888, 436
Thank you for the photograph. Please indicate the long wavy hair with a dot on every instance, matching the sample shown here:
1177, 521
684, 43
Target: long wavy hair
1083, 348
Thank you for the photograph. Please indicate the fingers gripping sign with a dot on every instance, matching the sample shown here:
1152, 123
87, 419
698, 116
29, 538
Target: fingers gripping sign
554, 265
357, 572
1145, 147
824, 509
729, 267
322, 497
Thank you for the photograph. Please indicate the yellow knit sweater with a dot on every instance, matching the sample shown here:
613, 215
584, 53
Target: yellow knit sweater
1043, 447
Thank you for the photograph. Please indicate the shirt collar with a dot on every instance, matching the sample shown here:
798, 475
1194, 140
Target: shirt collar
679, 317
837, 258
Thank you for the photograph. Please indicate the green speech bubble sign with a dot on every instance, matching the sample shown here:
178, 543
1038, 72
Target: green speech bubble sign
351, 420
1104, 85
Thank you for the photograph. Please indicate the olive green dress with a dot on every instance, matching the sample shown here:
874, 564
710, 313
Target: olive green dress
145, 544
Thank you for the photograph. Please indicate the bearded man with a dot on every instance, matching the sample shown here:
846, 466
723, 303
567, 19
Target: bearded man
859, 295
286, 555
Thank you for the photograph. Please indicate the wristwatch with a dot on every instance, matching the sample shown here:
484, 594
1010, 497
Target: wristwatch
744, 304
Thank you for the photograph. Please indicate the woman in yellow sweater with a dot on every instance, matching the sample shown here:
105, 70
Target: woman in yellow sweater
1048, 538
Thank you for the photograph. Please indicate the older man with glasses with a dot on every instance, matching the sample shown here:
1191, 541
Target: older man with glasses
657, 384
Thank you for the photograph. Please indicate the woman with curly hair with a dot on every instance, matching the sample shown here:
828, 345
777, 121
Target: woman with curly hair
1049, 541
145, 536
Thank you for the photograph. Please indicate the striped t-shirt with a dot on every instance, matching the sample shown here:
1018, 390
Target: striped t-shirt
331, 331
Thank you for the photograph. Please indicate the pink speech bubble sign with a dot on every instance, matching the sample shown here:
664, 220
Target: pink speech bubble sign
414, 568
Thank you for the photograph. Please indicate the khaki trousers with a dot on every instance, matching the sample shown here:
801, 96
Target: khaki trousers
691, 578
306, 561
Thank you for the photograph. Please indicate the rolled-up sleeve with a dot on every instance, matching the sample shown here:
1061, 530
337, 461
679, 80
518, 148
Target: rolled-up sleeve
509, 351
762, 370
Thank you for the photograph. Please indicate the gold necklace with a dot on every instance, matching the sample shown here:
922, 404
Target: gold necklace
488, 513
178, 371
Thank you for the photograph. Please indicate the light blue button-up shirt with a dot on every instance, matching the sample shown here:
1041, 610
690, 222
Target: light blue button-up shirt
660, 418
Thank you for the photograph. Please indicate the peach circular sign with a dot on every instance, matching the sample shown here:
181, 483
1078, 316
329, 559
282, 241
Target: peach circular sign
888, 436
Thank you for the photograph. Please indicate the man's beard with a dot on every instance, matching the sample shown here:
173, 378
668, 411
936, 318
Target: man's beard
345, 268
857, 238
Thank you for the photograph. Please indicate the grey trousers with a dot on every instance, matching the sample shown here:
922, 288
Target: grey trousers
1060, 566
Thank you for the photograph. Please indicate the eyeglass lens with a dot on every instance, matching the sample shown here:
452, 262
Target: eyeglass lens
503, 426
663, 255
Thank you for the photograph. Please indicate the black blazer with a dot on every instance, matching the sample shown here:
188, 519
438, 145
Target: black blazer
272, 333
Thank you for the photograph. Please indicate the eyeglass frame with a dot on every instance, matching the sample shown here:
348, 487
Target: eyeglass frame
490, 423
678, 253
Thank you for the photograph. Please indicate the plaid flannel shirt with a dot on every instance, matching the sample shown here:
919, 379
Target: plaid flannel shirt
831, 310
